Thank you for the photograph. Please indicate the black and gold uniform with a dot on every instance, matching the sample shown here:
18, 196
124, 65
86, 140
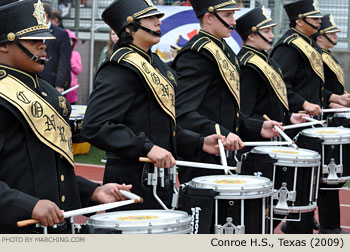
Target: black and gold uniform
36, 158
132, 108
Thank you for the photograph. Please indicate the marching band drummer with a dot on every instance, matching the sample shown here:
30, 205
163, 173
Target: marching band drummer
37, 178
328, 200
326, 38
263, 90
131, 112
299, 58
209, 84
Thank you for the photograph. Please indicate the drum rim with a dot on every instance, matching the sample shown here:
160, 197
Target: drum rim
326, 138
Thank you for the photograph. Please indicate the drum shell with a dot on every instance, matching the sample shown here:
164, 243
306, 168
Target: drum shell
339, 120
200, 203
330, 151
284, 172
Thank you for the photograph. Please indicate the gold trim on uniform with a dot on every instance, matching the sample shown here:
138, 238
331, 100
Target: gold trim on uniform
228, 71
314, 56
273, 77
161, 87
334, 66
225, 4
33, 28
140, 13
47, 124
62, 102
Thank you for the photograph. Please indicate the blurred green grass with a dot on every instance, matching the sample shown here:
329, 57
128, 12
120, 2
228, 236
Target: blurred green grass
94, 156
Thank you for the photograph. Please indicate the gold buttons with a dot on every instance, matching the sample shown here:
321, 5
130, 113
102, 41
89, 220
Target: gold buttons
129, 19
43, 94
300, 16
174, 133
254, 29
62, 178
61, 156
63, 198
211, 9
11, 36
237, 115
237, 128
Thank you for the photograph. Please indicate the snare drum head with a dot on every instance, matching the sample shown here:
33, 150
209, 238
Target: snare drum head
344, 115
233, 183
287, 153
78, 112
138, 219
328, 133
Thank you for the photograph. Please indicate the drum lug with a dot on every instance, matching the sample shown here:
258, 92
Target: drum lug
229, 228
257, 174
332, 169
283, 195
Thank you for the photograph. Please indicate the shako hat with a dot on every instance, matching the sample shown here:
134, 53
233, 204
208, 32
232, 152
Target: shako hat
121, 13
23, 20
328, 25
303, 9
252, 21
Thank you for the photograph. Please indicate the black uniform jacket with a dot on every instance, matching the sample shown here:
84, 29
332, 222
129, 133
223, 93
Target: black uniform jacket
124, 118
203, 98
332, 83
30, 170
301, 81
257, 95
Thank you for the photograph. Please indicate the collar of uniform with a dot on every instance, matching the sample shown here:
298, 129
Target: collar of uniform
327, 51
307, 38
217, 40
147, 55
28, 79
262, 54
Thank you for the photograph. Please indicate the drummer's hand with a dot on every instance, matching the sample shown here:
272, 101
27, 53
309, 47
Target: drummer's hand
298, 118
47, 212
161, 157
312, 109
109, 193
59, 89
211, 145
343, 100
268, 129
233, 142
335, 105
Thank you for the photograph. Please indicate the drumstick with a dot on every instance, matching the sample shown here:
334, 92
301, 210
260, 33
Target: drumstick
302, 112
336, 110
85, 210
304, 124
69, 90
221, 148
192, 164
131, 195
284, 135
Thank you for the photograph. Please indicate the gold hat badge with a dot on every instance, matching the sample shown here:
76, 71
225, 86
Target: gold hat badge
39, 13
316, 5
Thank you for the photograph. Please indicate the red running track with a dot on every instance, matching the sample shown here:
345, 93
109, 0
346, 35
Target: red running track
95, 173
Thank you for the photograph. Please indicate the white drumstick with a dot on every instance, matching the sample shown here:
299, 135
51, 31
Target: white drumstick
266, 143
221, 148
284, 135
81, 211
131, 195
336, 110
300, 125
69, 90
192, 164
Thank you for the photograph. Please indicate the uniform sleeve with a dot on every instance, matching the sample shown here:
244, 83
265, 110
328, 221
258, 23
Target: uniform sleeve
64, 65
86, 189
14, 205
115, 90
289, 62
189, 143
249, 128
250, 85
194, 72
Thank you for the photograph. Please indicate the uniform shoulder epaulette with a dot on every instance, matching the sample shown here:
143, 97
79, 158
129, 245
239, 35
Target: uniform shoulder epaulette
118, 55
199, 43
244, 59
290, 38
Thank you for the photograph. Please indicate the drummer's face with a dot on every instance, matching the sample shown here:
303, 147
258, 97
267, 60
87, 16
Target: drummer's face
145, 39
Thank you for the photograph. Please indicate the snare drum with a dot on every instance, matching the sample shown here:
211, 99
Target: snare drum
339, 119
294, 174
143, 222
241, 204
334, 146
76, 122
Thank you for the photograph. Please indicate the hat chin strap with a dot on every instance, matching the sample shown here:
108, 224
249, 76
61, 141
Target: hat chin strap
223, 22
157, 34
313, 26
31, 56
265, 39
329, 39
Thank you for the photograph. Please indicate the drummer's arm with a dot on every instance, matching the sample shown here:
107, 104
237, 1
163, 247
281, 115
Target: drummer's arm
342, 100
103, 122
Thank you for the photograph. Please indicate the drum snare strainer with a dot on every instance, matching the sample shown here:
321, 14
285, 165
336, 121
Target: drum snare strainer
143, 221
